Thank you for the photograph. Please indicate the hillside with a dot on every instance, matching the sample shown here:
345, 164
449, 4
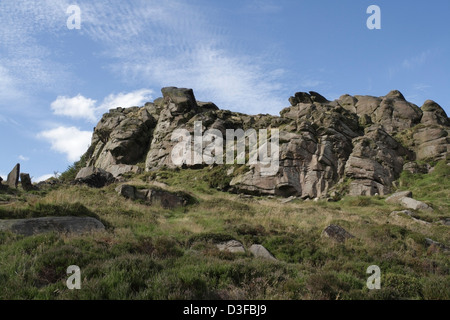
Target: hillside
189, 232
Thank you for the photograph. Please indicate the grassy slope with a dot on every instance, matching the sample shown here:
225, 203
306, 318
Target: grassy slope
148, 252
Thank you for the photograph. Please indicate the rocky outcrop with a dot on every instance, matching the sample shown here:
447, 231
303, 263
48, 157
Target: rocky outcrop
33, 226
364, 141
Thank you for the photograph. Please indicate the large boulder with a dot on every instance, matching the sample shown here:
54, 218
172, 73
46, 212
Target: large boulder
25, 181
34, 226
94, 177
13, 177
397, 197
414, 204
166, 199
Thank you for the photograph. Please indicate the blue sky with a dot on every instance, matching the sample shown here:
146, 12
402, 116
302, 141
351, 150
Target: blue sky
247, 56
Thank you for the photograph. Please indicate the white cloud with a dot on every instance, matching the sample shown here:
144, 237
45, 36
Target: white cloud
75, 107
68, 140
43, 177
125, 100
85, 108
23, 158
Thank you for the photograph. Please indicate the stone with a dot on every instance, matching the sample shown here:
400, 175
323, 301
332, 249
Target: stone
259, 251
13, 177
232, 246
287, 200
337, 233
431, 243
25, 181
94, 177
34, 226
413, 204
410, 214
127, 191
396, 198
167, 199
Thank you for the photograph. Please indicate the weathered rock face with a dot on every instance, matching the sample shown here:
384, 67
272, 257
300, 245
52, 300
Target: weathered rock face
322, 143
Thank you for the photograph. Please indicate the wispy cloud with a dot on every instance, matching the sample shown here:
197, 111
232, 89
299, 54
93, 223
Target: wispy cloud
412, 62
175, 43
70, 141
25, 64
23, 158
417, 60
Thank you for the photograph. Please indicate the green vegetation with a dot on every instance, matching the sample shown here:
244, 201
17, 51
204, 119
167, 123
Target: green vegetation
148, 252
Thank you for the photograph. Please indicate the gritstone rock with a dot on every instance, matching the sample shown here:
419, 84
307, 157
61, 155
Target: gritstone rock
13, 177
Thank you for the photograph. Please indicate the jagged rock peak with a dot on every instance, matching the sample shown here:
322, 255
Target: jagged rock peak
395, 94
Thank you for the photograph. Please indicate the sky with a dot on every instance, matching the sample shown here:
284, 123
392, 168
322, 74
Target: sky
61, 69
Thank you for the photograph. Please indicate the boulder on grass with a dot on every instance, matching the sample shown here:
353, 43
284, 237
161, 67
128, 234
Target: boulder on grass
259, 251
337, 233
94, 177
29, 227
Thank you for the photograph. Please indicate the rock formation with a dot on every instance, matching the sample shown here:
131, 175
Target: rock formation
362, 142
13, 177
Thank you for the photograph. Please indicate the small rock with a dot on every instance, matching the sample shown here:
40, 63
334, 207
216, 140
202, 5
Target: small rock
13, 177
290, 199
431, 242
33, 226
396, 198
408, 213
446, 221
413, 204
259, 251
337, 233
232, 246
127, 191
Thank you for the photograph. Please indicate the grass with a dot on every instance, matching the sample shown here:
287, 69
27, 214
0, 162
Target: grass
148, 252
